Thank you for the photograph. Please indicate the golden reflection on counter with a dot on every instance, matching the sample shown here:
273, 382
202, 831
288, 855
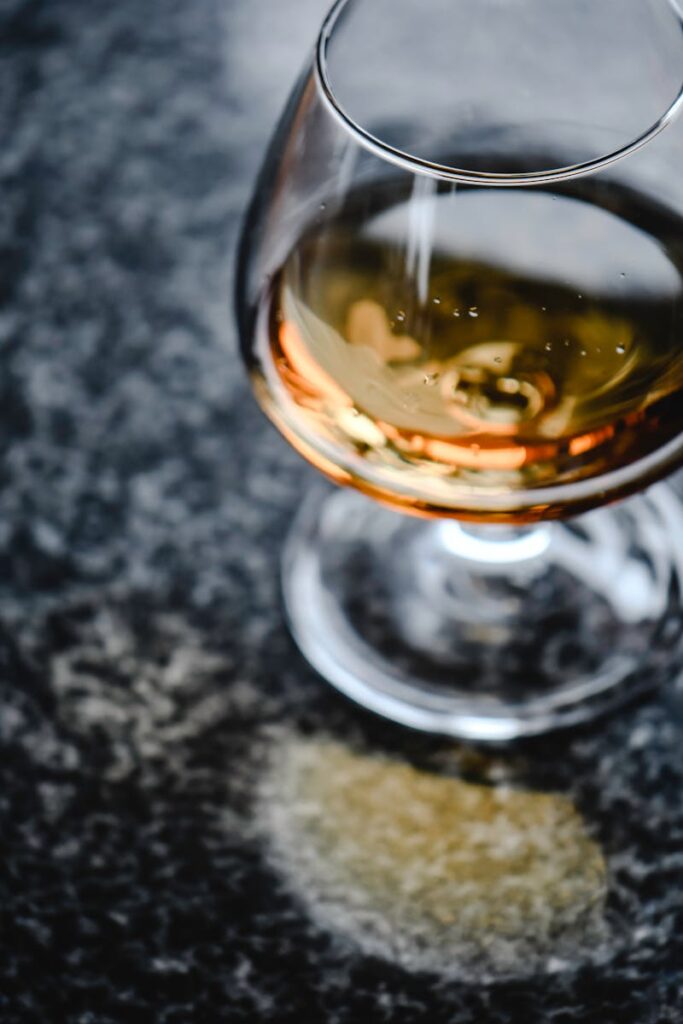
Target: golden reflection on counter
433, 871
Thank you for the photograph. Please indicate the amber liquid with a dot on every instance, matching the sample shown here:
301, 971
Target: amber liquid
442, 346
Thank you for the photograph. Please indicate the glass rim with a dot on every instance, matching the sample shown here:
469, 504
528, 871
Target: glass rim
420, 165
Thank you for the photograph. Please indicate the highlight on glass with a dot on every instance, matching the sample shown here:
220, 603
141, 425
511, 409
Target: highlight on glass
460, 293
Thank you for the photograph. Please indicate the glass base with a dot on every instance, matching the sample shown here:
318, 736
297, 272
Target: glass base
487, 633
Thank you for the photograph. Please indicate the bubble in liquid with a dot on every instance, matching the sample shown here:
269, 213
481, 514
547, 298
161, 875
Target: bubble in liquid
456, 312
430, 379
583, 352
497, 359
544, 309
548, 346
473, 312
566, 342
622, 274
400, 316
437, 302
621, 349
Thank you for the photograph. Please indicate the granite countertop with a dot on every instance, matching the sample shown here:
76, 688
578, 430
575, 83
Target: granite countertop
194, 827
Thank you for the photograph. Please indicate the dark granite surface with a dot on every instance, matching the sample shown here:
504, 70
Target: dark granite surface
193, 826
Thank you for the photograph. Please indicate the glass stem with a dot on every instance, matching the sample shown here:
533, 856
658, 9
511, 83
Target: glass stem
493, 544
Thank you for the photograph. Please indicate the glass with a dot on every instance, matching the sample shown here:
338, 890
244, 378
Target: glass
460, 292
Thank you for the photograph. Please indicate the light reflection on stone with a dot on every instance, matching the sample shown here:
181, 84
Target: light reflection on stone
431, 871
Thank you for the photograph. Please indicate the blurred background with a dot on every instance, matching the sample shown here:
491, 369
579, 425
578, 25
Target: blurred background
158, 728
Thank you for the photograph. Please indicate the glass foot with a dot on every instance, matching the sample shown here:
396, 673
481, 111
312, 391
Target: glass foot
487, 633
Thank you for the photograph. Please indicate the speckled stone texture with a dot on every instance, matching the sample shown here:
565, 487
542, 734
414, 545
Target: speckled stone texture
153, 709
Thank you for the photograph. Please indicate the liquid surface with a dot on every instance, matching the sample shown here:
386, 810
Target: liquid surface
439, 347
